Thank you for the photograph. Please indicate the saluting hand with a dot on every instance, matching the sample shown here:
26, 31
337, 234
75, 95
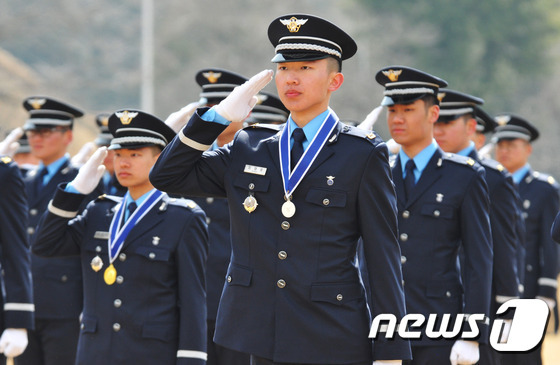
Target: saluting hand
178, 119
239, 103
91, 172
10, 144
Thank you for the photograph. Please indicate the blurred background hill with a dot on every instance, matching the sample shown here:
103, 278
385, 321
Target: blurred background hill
89, 53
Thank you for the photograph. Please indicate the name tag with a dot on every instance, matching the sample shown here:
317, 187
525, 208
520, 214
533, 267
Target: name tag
257, 170
101, 235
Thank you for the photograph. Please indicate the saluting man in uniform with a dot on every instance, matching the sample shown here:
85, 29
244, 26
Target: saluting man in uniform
540, 203
17, 300
57, 283
443, 206
453, 132
297, 208
143, 256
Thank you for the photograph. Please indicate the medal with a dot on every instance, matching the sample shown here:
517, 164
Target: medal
292, 178
110, 275
288, 209
250, 203
96, 263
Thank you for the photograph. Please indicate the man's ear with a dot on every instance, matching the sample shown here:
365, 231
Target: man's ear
433, 113
336, 81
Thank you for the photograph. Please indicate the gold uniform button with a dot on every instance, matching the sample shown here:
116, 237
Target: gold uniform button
117, 303
229, 279
404, 237
122, 256
116, 327
436, 213
285, 225
448, 294
251, 186
339, 297
33, 211
405, 214
282, 255
120, 279
209, 200
403, 259
82, 326
326, 201
152, 255
64, 278
281, 283
98, 249
208, 220
30, 230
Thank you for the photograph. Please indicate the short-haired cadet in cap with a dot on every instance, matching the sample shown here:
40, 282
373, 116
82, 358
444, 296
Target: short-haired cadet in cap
300, 196
143, 255
540, 204
443, 206
454, 131
49, 132
111, 185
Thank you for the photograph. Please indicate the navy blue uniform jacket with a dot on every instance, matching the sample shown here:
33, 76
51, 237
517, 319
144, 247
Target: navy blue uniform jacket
17, 298
448, 208
155, 312
540, 203
293, 293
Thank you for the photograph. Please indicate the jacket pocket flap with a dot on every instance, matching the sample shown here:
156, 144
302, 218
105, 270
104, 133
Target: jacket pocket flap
251, 182
336, 293
239, 276
326, 198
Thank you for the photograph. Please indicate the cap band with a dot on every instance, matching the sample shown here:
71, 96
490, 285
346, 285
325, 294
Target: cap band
418, 90
455, 111
512, 135
308, 47
137, 139
49, 121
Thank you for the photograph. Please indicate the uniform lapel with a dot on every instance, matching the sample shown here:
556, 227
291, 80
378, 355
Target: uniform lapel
398, 181
150, 220
429, 176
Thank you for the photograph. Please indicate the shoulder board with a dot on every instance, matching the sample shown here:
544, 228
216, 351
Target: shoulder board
360, 133
116, 199
492, 164
182, 202
539, 176
273, 127
5, 160
462, 160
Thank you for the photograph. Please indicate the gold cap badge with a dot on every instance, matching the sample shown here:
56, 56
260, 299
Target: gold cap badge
293, 24
502, 119
392, 75
212, 76
126, 117
440, 96
37, 103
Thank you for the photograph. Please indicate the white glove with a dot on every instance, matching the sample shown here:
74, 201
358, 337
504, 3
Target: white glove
549, 301
371, 118
178, 119
387, 362
13, 341
464, 352
91, 172
10, 144
393, 146
239, 103
83, 154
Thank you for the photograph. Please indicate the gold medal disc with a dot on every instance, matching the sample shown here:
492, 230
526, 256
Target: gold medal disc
110, 275
96, 263
250, 203
288, 209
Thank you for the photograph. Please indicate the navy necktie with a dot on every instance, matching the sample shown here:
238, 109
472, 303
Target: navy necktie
131, 208
297, 148
40, 178
409, 180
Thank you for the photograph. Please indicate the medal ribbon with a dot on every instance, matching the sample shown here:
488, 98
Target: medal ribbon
292, 179
117, 233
